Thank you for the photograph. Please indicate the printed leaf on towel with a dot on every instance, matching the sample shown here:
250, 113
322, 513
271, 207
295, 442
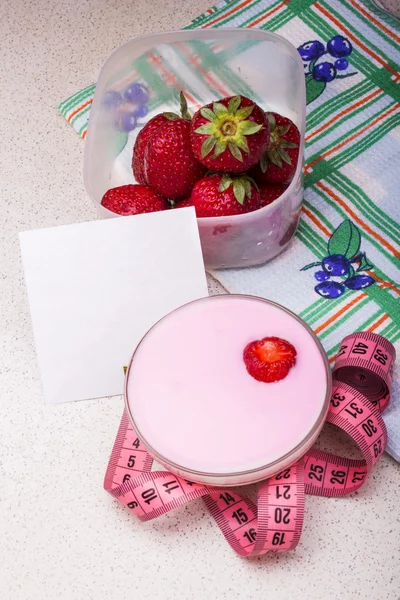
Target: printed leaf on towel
313, 88
346, 240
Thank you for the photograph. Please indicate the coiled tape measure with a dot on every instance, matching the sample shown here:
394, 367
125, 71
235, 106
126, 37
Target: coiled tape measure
362, 378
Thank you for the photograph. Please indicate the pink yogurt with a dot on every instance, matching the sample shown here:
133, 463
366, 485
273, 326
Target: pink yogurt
201, 414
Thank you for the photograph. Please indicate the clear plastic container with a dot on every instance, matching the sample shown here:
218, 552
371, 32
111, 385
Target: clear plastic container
197, 410
206, 64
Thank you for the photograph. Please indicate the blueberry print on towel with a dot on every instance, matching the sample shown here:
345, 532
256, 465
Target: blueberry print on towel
337, 273
318, 70
128, 106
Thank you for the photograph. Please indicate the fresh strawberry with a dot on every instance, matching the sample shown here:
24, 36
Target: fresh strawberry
140, 146
170, 167
230, 135
278, 163
184, 203
291, 230
133, 200
162, 156
270, 192
269, 359
222, 195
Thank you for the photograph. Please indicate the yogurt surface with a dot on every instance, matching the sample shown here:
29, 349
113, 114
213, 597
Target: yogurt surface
193, 401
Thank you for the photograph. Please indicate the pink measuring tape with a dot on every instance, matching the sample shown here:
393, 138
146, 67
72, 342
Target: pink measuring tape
362, 378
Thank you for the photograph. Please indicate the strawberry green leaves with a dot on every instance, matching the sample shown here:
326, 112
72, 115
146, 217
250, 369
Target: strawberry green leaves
278, 157
226, 183
171, 116
245, 112
239, 191
234, 150
234, 104
207, 146
229, 135
264, 162
247, 186
208, 114
271, 121
277, 151
206, 129
287, 144
242, 186
219, 148
248, 127
242, 143
219, 109
227, 128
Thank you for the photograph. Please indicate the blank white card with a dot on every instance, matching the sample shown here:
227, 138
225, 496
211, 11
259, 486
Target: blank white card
95, 288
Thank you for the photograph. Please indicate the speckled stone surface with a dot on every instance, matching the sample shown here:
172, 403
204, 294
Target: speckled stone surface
61, 536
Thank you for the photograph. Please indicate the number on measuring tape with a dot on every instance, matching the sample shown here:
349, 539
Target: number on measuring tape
250, 535
380, 356
369, 427
240, 516
358, 476
342, 350
136, 443
131, 461
338, 477
149, 495
278, 538
356, 410
132, 504
285, 494
377, 448
126, 478
189, 482
316, 472
281, 515
283, 474
337, 399
227, 498
168, 485
360, 348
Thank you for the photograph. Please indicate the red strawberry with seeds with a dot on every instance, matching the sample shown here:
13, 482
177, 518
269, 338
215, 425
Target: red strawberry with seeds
222, 195
184, 203
270, 192
140, 146
269, 359
230, 135
169, 165
133, 200
278, 163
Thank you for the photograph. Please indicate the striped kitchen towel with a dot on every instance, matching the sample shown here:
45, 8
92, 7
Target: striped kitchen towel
351, 199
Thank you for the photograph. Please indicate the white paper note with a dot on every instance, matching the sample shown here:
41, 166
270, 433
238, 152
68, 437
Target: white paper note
95, 288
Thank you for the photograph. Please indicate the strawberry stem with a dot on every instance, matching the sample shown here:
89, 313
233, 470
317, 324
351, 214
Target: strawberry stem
184, 107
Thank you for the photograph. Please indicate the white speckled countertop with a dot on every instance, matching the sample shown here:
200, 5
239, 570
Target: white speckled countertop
61, 535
